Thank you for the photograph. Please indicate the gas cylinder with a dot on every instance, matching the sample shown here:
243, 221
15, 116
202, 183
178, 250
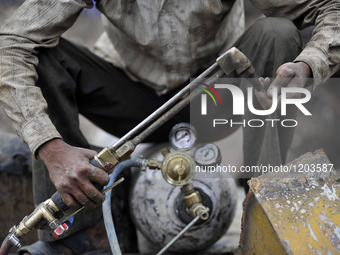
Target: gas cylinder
159, 209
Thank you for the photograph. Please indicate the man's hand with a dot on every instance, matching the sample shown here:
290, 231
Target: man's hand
72, 174
287, 75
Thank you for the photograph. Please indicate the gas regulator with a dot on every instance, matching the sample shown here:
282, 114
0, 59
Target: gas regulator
175, 209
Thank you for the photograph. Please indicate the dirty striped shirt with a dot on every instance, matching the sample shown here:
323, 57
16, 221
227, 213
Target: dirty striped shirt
160, 43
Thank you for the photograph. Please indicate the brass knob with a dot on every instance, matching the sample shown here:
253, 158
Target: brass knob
178, 168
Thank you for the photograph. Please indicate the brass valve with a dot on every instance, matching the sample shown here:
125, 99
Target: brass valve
178, 168
44, 212
193, 202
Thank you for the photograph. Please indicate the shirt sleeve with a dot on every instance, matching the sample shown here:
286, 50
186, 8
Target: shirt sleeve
322, 53
35, 24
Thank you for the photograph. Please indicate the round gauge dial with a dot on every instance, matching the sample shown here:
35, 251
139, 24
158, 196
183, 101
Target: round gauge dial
183, 137
207, 155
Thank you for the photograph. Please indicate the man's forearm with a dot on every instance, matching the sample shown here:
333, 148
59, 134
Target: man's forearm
322, 53
36, 24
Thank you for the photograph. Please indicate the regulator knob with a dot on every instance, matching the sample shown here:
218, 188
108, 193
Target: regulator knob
178, 168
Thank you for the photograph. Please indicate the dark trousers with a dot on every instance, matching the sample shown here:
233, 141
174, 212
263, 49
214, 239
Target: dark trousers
73, 81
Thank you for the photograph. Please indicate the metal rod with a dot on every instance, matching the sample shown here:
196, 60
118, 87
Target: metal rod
113, 185
160, 110
161, 120
179, 235
103, 192
173, 111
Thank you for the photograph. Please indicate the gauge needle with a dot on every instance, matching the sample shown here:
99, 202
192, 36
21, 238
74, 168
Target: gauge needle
184, 135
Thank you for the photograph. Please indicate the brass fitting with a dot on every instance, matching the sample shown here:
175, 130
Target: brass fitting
193, 202
44, 211
199, 210
108, 159
149, 163
193, 198
154, 164
124, 151
178, 168
188, 189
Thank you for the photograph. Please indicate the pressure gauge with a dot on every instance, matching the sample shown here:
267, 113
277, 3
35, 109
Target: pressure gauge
207, 155
183, 137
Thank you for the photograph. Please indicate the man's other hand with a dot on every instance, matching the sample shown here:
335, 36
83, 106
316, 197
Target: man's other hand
72, 174
287, 75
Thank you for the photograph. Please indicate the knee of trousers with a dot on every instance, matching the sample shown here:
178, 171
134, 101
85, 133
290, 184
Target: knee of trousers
280, 30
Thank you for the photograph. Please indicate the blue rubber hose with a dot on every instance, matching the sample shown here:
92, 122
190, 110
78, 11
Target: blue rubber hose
107, 214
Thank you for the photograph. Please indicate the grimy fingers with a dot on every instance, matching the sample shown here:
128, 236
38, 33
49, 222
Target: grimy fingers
93, 194
99, 176
284, 75
70, 201
84, 198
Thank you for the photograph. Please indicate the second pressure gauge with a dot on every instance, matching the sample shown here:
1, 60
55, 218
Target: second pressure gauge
207, 155
183, 137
